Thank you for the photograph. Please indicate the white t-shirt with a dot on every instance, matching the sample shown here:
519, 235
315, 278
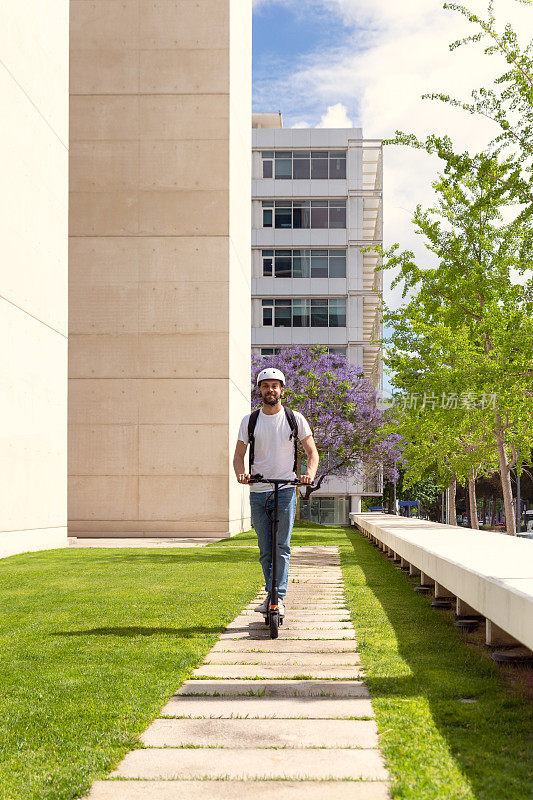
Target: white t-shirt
273, 450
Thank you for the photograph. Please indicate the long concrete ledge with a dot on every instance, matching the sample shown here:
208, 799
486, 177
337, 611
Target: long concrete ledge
488, 574
16, 542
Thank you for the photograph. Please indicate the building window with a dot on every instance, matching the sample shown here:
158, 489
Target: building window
304, 213
304, 164
282, 313
268, 163
268, 258
337, 166
326, 510
268, 313
309, 263
304, 312
268, 211
274, 351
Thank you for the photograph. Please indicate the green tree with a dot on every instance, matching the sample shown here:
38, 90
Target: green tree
467, 325
509, 102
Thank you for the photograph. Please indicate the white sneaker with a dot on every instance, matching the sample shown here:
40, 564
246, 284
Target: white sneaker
262, 608
281, 608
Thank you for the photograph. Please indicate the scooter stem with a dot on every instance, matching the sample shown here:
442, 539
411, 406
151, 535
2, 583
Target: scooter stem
275, 526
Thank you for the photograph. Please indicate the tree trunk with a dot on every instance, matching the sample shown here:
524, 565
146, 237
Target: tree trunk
493, 512
467, 504
505, 477
472, 503
451, 499
390, 500
484, 510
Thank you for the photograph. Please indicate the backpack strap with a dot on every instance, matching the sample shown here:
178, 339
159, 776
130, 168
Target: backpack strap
252, 422
291, 419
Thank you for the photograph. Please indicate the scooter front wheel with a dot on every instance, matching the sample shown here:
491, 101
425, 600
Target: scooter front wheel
274, 624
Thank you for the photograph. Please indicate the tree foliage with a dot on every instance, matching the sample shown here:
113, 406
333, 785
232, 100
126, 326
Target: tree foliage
340, 405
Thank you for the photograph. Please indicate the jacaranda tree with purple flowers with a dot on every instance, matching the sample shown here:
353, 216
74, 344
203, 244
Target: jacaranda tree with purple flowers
340, 405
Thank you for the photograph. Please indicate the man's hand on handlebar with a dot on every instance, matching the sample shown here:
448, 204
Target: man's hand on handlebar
306, 479
243, 477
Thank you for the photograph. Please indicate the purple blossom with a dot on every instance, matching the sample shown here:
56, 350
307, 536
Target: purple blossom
341, 407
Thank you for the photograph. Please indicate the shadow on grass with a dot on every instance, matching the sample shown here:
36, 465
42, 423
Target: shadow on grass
486, 724
132, 631
203, 555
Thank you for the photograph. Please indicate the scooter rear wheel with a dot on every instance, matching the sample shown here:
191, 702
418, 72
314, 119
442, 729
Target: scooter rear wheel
274, 624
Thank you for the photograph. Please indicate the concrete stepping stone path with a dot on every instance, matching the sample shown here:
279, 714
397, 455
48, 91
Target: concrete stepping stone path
282, 719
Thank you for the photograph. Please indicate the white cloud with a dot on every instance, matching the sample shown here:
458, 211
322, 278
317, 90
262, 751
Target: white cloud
397, 52
336, 117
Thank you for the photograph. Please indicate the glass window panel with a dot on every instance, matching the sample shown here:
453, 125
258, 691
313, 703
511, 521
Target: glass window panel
282, 317
267, 302
319, 263
300, 213
283, 165
267, 266
337, 351
300, 313
267, 169
337, 263
267, 218
283, 215
319, 165
337, 313
267, 351
267, 154
319, 214
267, 315
337, 214
301, 166
319, 313
281, 154
301, 263
337, 166
283, 264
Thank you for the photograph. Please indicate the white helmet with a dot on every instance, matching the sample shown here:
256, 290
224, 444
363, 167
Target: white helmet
271, 374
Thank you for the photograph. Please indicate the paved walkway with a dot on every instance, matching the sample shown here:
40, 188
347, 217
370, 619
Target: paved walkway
267, 719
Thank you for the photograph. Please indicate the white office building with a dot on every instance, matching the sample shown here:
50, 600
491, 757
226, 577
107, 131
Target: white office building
316, 204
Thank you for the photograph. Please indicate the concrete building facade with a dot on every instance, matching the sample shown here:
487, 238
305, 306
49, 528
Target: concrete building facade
317, 199
33, 275
159, 281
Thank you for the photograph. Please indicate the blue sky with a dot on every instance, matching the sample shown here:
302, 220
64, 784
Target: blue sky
286, 36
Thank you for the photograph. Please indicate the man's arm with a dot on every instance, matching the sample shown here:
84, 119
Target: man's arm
311, 452
238, 462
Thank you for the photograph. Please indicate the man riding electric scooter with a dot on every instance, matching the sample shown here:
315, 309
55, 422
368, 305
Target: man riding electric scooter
272, 432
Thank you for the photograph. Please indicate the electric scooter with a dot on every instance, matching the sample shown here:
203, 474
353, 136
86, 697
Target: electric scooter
272, 617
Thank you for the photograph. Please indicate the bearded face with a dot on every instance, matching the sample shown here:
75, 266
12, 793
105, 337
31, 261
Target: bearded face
270, 392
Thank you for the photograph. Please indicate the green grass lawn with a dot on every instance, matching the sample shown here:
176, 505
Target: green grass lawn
93, 642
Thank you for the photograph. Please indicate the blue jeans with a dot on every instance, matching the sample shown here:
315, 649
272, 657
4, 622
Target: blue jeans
261, 523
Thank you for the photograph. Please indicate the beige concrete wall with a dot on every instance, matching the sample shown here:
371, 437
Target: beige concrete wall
159, 264
33, 274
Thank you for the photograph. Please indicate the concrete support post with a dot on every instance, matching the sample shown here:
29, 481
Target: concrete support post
425, 580
494, 635
441, 591
462, 609
413, 571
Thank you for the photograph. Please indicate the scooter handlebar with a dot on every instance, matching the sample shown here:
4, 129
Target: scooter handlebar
257, 478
